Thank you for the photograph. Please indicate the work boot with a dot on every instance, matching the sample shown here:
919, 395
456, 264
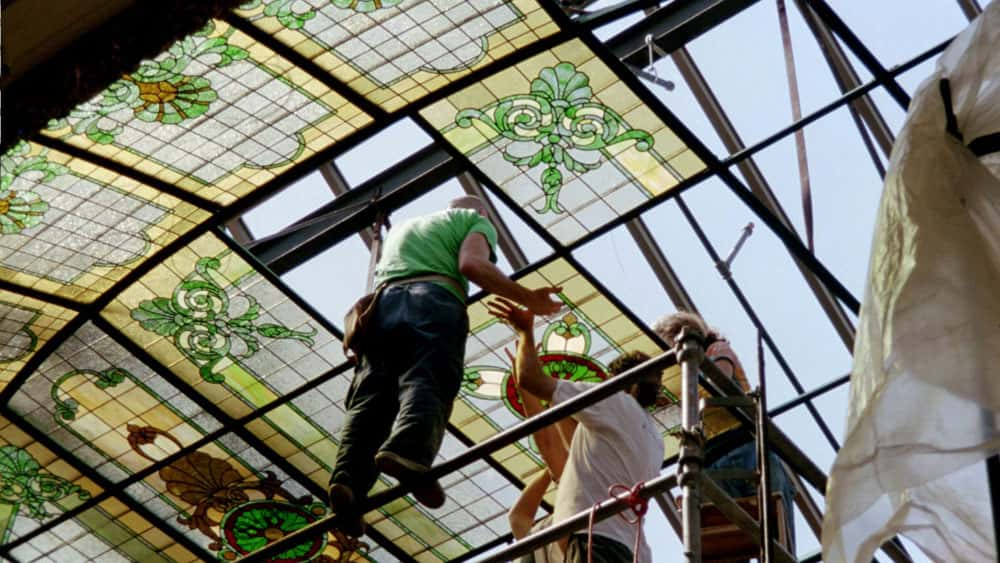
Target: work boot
342, 504
408, 472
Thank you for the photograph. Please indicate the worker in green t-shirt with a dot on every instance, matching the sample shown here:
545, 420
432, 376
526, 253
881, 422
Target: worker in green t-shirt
410, 364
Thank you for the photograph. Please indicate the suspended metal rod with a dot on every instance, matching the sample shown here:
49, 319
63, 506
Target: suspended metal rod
751, 313
759, 185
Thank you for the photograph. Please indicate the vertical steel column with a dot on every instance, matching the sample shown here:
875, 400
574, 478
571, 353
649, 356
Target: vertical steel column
339, 186
690, 352
767, 524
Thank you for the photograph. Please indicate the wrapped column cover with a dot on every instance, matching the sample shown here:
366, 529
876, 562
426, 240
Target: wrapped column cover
925, 388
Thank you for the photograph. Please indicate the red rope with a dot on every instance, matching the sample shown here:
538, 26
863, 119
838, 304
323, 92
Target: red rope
636, 503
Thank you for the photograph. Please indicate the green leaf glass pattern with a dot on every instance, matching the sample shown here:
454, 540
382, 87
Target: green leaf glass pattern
159, 91
24, 483
557, 125
21, 210
67, 409
198, 318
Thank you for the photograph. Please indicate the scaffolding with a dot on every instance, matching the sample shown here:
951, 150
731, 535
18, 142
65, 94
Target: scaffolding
356, 208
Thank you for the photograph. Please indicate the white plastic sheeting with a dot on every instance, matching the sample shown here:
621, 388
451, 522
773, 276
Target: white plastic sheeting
925, 389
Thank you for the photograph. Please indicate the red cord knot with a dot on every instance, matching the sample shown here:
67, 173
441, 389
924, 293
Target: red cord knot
636, 503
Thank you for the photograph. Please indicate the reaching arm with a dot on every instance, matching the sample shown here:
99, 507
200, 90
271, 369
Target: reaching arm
474, 263
522, 515
529, 370
552, 444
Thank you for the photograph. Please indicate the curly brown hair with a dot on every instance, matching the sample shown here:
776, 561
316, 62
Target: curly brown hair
648, 391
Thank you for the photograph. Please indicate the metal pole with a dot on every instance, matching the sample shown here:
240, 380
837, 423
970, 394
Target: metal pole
690, 353
767, 527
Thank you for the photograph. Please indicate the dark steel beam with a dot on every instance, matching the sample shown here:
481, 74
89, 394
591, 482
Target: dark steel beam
661, 267
672, 26
864, 108
970, 8
759, 185
597, 18
356, 209
240, 231
339, 186
837, 25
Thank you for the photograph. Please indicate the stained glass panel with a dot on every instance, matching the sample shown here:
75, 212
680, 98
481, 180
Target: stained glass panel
232, 335
566, 139
73, 229
217, 114
396, 51
106, 532
25, 325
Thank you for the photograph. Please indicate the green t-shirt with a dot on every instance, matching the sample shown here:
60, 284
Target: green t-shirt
430, 245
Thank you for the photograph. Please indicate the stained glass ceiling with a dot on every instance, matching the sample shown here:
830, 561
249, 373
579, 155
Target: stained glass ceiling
173, 398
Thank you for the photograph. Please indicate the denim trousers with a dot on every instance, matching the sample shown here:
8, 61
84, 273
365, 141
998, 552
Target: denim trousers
745, 457
406, 380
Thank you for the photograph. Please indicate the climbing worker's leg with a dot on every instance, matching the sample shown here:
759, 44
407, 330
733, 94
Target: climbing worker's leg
606, 550
371, 404
434, 325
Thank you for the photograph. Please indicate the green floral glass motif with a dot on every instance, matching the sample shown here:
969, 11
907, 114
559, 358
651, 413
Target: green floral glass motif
24, 483
364, 5
105, 379
286, 14
563, 355
159, 90
21, 210
198, 317
557, 124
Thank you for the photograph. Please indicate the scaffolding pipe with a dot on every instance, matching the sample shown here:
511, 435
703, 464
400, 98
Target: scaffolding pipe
475, 453
690, 354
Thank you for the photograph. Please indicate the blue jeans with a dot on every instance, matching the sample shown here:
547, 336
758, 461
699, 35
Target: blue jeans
745, 457
406, 380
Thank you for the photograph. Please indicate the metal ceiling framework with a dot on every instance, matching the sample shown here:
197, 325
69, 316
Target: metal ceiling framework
355, 207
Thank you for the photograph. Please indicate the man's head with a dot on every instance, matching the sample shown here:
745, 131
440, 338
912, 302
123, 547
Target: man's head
669, 326
469, 202
647, 390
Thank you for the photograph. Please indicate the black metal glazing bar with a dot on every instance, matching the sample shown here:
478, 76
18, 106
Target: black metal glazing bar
178, 455
126, 171
227, 421
106, 485
821, 390
597, 18
837, 25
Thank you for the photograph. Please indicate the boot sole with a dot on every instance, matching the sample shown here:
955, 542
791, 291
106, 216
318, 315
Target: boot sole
343, 505
430, 495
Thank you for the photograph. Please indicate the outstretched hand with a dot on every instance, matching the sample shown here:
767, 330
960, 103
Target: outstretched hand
520, 319
541, 302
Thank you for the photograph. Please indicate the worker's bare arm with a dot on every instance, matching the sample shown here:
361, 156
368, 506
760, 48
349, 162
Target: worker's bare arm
530, 375
552, 444
474, 263
522, 514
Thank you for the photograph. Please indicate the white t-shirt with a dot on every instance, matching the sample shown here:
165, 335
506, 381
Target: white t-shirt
616, 441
